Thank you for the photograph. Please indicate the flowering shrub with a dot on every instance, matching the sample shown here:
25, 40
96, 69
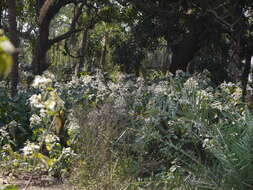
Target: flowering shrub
164, 126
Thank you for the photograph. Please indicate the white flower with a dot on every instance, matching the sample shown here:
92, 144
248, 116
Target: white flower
35, 101
50, 138
206, 142
160, 88
54, 102
73, 127
43, 113
42, 82
147, 121
204, 94
68, 152
191, 83
50, 104
85, 79
237, 94
217, 105
30, 148
35, 120
49, 75
91, 96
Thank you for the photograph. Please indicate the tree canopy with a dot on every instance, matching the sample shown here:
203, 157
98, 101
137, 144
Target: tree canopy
193, 35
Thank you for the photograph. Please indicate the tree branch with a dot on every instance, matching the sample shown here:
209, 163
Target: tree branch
64, 36
76, 16
220, 20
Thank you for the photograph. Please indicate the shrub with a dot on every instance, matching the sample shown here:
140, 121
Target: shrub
157, 133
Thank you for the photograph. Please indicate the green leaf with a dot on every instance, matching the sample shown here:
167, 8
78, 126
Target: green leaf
8, 187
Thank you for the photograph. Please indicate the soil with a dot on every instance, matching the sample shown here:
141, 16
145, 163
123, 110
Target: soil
33, 182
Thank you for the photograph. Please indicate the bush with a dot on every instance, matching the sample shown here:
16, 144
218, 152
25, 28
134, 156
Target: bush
14, 119
158, 133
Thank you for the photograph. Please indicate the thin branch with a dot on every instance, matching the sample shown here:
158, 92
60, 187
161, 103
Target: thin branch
69, 53
223, 22
64, 36
88, 26
76, 16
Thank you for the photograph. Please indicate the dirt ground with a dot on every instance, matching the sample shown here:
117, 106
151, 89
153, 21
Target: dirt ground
34, 183
53, 187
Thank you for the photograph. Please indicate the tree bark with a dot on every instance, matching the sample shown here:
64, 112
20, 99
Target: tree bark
245, 76
40, 62
183, 53
12, 14
247, 67
83, 59
103, 53
46, 11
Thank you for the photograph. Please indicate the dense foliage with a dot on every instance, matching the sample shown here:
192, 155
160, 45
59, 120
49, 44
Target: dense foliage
126, 94
155, 133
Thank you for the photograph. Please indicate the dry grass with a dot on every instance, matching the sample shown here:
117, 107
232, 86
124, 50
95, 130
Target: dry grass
53, 187
99, 166
25, 182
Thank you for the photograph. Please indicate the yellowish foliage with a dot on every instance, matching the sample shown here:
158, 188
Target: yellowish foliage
6, 49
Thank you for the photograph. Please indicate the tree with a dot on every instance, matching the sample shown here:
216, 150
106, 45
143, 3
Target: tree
97, 20
47, 10
189, 26
89, 22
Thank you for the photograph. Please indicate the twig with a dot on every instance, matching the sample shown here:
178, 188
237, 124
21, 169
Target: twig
29, 182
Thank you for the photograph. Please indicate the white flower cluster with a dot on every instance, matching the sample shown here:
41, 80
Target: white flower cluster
191, 83
204, 94
52, 103
160, 88
35, 120
68, 151
42, 82
145, 101
51, 139
36, 101
30, 148
73, 127
228, 87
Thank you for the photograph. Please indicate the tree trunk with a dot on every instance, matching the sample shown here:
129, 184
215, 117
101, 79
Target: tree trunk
183, 53
247, 67
103, 53
46, 11
83, 60
40, 63
245, 76
14, 39
166, 62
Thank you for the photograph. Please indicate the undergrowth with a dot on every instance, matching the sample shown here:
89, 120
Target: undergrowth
129, 133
